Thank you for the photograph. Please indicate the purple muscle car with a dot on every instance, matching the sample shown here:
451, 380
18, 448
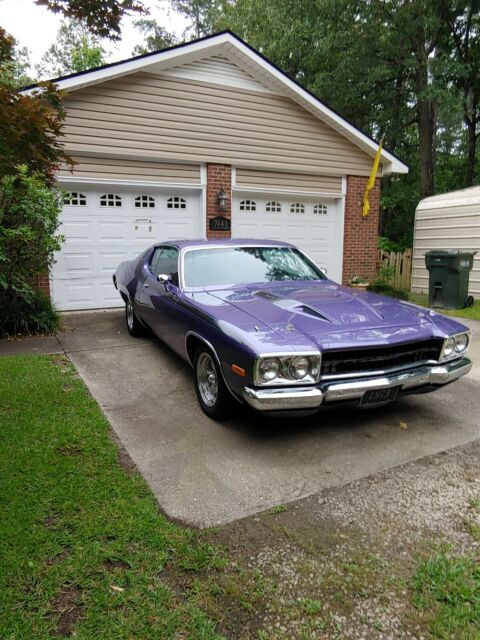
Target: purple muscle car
261, 324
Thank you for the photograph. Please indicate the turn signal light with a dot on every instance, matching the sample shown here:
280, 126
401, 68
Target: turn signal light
238, 370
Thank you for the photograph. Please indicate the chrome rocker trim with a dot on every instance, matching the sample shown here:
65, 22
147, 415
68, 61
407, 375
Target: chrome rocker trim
308, 398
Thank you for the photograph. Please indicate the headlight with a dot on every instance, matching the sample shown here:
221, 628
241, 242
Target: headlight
454, 346
449, 347
461, 342
298, 367
287, 369
269, 369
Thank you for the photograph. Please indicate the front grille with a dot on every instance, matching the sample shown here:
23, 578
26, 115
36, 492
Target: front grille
367, 359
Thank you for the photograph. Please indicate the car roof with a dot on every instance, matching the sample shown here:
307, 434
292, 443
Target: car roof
226, 242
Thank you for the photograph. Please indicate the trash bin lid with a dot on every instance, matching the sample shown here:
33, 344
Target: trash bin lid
449, 252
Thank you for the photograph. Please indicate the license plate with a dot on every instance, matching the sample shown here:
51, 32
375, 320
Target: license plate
378, 396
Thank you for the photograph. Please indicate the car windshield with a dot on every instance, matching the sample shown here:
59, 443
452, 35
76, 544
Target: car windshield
241, 265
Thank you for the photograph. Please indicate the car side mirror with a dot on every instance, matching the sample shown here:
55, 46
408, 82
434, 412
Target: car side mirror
163, 278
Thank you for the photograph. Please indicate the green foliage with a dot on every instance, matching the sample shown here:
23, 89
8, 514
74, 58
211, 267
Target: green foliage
389, 245
311, 607
14, 70
386, 273
30, 125
448, 589
155, 37
30, 153
198, 13
31, 314
74, 50
102, 17
29, 211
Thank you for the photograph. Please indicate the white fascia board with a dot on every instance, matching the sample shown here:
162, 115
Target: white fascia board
324, 195
187, 52
117, 182
259, 66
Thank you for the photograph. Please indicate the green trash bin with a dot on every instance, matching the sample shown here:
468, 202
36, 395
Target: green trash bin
449, 276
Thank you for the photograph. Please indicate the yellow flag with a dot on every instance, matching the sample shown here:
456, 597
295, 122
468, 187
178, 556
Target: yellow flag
371, 180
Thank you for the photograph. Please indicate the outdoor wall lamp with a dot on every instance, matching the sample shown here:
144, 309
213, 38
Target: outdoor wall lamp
222, 199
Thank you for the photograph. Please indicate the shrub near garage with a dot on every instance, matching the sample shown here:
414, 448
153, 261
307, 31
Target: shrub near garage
29, 211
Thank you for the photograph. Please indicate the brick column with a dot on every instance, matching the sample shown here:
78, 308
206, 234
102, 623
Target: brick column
42, 283
218, 176
361, 233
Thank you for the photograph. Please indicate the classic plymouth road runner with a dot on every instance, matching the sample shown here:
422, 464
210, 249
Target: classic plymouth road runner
261, 324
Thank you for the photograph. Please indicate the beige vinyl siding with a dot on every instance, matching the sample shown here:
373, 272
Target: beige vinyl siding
450, 227
124, 169
179, 119
288, 181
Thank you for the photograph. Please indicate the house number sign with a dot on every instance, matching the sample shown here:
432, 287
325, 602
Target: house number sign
219, 223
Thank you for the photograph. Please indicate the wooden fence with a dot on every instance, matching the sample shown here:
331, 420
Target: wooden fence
400, 265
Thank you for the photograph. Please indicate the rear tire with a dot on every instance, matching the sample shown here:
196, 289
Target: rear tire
134, 326
212, 393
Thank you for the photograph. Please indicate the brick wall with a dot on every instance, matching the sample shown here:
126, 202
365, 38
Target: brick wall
41, 283
218, 176
361, 233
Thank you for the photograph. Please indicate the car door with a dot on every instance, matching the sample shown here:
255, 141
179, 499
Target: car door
159, 300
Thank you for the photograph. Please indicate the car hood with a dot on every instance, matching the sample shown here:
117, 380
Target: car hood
326, 315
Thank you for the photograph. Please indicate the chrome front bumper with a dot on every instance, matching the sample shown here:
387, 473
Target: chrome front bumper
308, 398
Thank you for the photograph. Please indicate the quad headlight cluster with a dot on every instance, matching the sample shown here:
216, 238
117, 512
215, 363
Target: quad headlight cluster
455, 346
287, 369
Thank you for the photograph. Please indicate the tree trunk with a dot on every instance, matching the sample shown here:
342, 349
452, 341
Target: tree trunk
426, 115
471, 122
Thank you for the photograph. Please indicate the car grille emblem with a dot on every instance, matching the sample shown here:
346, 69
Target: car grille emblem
290, 327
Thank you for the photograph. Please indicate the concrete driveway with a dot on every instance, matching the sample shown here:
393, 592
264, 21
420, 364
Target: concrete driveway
205, 473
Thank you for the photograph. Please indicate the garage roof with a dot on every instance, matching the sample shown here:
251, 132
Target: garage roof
470, 195
251, 61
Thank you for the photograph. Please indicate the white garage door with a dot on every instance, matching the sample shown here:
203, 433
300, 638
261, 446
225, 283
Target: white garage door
314, 225
104, 227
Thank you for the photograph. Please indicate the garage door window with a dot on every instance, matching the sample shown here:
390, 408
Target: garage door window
176, 202
320, 209
297, 207
110, 200
75, 199
248, 205
144, 202
273, 207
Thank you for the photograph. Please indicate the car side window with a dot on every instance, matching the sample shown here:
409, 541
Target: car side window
165, 260
154, 260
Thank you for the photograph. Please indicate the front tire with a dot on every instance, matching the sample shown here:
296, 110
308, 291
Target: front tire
134, 326
212, 393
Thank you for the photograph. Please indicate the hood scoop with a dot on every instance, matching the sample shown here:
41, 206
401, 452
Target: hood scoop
294, 306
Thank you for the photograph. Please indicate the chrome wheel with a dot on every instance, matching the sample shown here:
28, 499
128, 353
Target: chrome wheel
207, 379
130, 316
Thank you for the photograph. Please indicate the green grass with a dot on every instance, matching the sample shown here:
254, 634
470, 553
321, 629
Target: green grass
83, 547
472, 312
447, 589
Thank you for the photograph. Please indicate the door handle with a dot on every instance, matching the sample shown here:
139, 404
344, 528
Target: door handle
146, 285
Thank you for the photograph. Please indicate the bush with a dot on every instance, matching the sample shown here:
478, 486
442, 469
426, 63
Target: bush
31, 314
29, 211
390, 245
387, 290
